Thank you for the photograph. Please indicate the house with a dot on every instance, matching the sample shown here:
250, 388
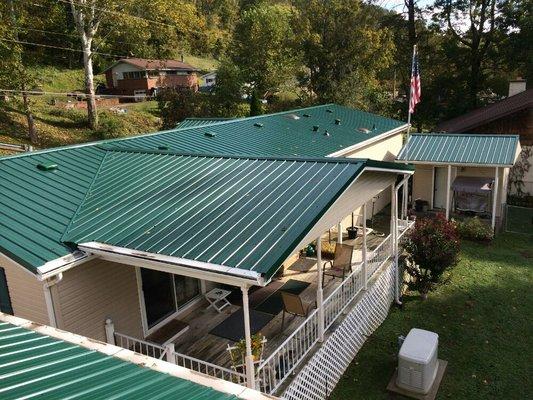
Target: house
79, 366
207, 81
132, 240
510, 116
462, 172
142, 77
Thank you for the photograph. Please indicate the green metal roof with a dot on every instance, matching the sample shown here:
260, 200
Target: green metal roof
244, 213
37, 365
286, 134
461, 148
37, 205
189, 122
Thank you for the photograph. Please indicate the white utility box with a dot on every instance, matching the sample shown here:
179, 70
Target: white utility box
417, 361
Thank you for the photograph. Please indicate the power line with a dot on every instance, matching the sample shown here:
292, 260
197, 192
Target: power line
72, 94
61, 48
120, 13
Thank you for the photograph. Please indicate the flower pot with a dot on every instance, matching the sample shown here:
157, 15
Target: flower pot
352, 232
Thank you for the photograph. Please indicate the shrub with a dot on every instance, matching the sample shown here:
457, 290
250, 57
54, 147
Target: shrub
328, 250
475, 229
110, 127
432, 247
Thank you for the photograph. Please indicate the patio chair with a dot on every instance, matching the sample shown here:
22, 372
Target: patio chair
341, 265
294, 305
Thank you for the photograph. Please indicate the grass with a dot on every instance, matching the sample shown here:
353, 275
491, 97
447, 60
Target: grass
483, 318
58, 126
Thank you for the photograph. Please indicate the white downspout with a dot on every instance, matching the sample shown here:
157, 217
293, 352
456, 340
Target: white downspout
48, 283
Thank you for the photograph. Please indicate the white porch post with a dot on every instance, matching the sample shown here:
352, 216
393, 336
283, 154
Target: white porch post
448, 187
170, 349
363, 250
249, 360
495, 197
394, 237
339, 232
319, 291
110, 331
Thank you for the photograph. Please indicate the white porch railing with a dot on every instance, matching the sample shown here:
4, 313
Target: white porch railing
205, 367
379, 255
167, 352
140, 346
277, 368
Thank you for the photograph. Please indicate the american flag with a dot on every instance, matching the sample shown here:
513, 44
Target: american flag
416, 90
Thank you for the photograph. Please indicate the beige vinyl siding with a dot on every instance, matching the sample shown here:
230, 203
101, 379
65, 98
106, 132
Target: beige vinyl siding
94, 291
25, 291
423, 183
383, 150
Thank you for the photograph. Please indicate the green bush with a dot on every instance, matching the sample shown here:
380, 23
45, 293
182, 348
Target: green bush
431, 247
475, 229
110, 127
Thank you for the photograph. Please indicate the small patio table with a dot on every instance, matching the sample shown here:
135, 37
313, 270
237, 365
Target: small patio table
217, 299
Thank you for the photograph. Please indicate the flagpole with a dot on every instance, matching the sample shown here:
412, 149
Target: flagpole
410, 93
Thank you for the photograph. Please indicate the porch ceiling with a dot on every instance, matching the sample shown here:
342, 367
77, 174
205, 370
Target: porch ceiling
242, 214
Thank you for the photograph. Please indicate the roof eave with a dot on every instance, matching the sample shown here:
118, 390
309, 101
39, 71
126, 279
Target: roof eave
425, 162
179, 265
369, 141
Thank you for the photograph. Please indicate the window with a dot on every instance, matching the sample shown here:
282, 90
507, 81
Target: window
164, 294
134, 75
5, 299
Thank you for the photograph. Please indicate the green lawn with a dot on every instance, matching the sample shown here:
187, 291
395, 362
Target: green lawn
483, 316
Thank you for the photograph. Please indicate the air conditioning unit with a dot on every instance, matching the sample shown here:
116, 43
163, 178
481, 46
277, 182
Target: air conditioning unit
417, 361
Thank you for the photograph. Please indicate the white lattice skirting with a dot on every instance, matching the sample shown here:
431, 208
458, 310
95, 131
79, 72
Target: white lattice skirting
319, 376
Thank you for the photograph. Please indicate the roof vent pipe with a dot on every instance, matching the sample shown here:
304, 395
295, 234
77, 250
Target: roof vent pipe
47, 166
337, 121
326, 133
315, 128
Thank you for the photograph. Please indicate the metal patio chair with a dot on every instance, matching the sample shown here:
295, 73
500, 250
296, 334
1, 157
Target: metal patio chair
341, 265
294, 305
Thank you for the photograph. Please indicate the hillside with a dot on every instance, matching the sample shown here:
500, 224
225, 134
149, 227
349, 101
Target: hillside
60, 122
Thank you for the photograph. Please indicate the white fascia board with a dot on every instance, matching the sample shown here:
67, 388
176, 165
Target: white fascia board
62, 264
368, 142
176, 265
138, 359
391, 170
455, 164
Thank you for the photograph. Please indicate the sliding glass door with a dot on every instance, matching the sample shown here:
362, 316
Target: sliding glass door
164, 294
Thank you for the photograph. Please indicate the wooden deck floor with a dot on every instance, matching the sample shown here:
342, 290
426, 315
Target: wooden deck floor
198, 343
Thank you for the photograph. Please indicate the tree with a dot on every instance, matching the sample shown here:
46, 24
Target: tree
13, 70
263, 47
227, 94
255, 104
479, 19
87, 17
344, 50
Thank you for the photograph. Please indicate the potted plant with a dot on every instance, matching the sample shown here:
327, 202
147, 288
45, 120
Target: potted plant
258, 344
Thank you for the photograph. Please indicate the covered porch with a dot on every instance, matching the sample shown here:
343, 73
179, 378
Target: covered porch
236, 226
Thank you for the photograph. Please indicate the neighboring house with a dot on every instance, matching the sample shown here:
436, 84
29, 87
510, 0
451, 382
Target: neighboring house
462, 172
140, 77
513, 116
121, 240
41, 361
207, 81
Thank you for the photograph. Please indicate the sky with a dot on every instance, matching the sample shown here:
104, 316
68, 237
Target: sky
398, 5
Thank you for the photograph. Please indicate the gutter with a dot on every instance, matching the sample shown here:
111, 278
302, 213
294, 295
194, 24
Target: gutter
182, 266
392, 132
